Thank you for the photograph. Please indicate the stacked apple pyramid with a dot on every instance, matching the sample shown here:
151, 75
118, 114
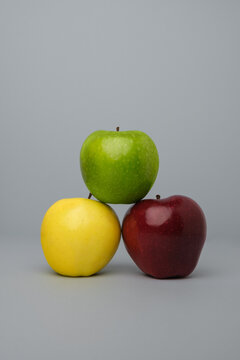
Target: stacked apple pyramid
164, 237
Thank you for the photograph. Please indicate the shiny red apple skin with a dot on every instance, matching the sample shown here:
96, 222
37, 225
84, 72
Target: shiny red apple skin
165, 237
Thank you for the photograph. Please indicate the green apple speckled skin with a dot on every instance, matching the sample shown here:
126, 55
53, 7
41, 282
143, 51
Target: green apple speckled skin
119, 167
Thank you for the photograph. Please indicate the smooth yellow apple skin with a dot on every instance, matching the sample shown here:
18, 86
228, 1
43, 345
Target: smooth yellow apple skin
79, 236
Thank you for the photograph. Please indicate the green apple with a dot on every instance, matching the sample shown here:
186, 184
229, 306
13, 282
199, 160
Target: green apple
119, 167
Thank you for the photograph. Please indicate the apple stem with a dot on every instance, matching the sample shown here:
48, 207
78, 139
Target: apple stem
158, 197
90, 195
117, 128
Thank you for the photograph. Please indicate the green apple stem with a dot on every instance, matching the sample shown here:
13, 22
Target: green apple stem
158, 197
90, 195
117, 128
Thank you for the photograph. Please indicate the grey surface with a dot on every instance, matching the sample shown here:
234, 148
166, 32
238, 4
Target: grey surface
120, 313
67, 68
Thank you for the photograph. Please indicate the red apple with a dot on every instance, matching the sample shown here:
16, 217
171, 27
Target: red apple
164, 237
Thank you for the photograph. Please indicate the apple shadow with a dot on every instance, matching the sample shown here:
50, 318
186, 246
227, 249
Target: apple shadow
121, 268
111, 269
46, 270
128, 269
196, 274
167, 278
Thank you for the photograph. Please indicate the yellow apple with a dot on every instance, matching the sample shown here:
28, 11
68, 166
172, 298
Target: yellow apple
79, 236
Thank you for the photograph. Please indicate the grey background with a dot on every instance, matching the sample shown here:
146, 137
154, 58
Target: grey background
169, 68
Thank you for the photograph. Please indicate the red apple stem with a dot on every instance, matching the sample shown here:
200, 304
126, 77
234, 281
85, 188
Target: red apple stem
90, 195
158, 197
117, 128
